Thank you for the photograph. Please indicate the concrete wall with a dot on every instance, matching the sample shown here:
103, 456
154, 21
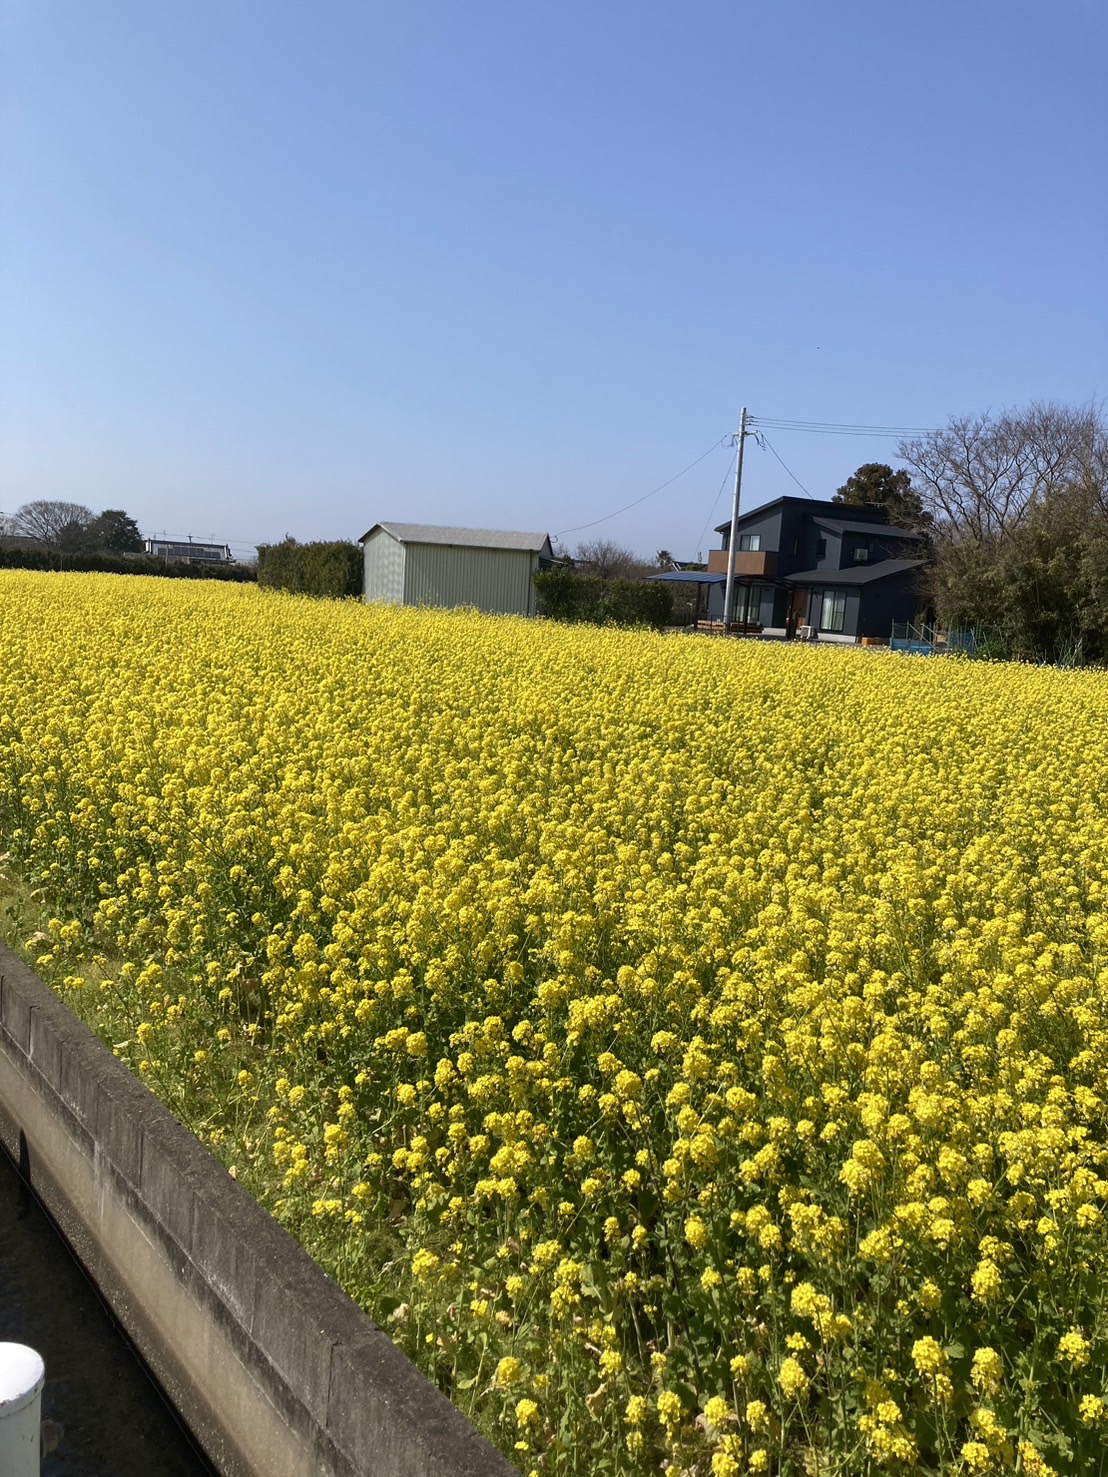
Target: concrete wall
275, 1371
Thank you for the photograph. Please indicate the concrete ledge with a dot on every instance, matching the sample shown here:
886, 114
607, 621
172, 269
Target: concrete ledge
272, 1367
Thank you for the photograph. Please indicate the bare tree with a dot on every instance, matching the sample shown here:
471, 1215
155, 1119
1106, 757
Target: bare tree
608, 559
57, 524
1020, 532
982, 475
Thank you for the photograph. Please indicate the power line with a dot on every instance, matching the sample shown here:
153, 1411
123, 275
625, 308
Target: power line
711, 511
845, 426
763, 440
580, 527
831, 428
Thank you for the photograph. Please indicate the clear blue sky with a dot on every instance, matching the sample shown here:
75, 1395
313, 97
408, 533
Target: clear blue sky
272, 267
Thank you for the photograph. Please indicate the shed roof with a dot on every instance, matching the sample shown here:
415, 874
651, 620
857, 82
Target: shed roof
463, 538
857, 574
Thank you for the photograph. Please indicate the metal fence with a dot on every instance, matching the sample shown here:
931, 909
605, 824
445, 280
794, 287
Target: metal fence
924, 640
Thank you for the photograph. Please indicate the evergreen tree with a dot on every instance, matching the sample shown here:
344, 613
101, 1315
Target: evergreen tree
117, 533
875, 483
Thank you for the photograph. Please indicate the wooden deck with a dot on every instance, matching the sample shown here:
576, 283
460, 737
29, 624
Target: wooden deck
733, 628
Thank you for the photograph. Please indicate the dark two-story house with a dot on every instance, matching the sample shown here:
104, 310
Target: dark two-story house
841, 571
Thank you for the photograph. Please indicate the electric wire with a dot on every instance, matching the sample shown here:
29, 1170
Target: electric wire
711, 512
763, 440
580, 527
831, 428
834, 425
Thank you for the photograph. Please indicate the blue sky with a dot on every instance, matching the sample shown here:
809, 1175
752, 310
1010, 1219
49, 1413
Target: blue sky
270, 267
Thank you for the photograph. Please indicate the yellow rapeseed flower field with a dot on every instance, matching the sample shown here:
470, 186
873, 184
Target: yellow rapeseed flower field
695, 1053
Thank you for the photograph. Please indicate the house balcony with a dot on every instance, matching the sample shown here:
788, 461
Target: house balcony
748, 563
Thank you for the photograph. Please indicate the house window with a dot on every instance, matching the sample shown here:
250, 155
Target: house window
794, 547
861, 554
750, 542
832, 613
821, 548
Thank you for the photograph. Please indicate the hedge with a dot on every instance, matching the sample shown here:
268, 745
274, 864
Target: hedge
333, 570
564, 595
123, 564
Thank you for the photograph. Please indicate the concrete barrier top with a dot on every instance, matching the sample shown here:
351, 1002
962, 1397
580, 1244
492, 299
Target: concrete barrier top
274, 1369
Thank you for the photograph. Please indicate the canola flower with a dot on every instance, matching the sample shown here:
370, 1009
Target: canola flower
695, 1054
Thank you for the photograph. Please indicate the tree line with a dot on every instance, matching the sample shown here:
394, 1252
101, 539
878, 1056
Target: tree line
1013, 503
68, 536
71, 528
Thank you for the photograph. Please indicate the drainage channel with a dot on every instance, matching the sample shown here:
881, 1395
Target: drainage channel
99, 1405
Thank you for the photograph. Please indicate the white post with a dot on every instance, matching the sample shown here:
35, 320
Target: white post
22, 1374
729, 588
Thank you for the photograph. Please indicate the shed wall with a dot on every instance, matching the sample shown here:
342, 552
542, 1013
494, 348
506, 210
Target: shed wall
384, 568
494, 580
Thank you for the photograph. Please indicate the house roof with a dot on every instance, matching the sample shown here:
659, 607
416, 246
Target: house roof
857, 574
818, 507
857, 525
462, 538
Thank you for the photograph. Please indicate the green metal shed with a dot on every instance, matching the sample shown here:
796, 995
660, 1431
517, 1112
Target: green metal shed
425, 564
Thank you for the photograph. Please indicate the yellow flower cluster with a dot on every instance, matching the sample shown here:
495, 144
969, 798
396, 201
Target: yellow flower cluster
696, 1054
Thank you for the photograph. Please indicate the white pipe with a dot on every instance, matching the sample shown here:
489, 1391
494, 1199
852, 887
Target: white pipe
22, 1374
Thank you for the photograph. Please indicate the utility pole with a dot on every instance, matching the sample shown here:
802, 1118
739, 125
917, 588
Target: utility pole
729, 588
